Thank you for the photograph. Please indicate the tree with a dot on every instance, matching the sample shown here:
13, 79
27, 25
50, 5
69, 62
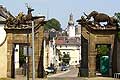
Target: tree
117, 15
102, 49
66, 58
52, 23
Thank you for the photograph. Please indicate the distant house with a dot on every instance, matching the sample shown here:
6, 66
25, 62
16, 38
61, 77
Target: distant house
50, 55
70, 46
70, 42
65, 42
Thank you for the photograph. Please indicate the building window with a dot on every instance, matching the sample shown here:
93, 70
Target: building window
75, 61
63, 52
66, 46
51, 45
60, 46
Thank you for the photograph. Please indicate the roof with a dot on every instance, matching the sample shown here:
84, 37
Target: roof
4, 13
64, 40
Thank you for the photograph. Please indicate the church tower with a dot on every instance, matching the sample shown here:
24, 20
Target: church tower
71, 27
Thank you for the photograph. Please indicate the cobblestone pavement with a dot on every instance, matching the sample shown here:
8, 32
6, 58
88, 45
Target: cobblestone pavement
101, 78
65, 78
69, 78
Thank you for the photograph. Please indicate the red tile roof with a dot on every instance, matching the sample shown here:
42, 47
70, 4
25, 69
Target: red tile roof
67, 41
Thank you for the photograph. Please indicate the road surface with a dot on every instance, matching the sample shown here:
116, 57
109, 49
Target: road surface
72, 72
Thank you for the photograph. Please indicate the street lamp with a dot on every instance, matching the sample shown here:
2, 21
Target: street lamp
29, 16
27, 57
33, 55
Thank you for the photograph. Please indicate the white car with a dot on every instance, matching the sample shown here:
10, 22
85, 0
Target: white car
50, 70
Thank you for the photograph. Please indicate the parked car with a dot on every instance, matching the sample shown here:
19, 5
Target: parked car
50, 70
64, 68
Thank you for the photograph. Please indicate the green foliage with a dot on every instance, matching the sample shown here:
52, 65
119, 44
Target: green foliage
59, 54
118, 18
66, 58
117, 15
21, 57
52, 23
119, 35
64, 33
102, 49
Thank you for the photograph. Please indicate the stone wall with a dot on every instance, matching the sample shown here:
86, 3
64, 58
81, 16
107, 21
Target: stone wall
19, 36
3, 59
9, 53
84, 57
118, 58
38, 54
94, 37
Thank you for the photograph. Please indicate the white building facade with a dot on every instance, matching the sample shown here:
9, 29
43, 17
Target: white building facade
50, 54
73, 51
71, 46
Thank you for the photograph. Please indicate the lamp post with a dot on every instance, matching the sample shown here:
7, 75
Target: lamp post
27, 57
33, 59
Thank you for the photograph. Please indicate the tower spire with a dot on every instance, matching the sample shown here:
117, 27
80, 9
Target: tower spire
71, 22
71, 27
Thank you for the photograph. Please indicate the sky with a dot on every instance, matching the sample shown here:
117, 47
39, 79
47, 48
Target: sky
61, 9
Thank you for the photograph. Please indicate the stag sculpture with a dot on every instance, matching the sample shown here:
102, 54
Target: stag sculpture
29, 13
98, 17
101, 17
21, 18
